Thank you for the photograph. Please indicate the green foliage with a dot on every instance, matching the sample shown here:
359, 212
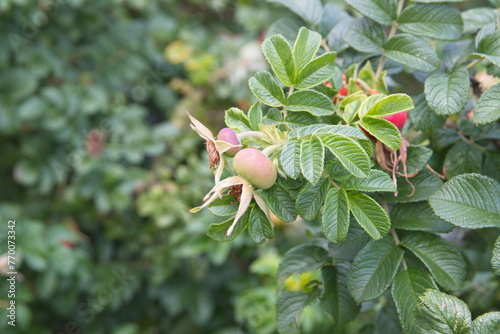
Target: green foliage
365, 222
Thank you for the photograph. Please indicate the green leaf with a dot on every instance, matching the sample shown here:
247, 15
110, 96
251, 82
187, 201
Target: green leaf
444, 260
381, 11
267, 89
348, 131
376, 181
418, 216
365, 35
350, 154
441, 313
309, 10
469, 200
311, 198
425, 182
317, 71
422, 118
373, 269
347, 250
495, 258
313, 102
289, 306
390, 105
406, 290
306, 46
237, 120
487, 323
413, 52
335, 218
447, 94
383, 130
280, 203
255, 116
301, 259
224, 207
476, 18
463, 158
312, 155
369, 214
489, 48
217, 231
488, 106
440, 21
336, 300
279, 55
259, 226
296, 120
290, 159
416, 159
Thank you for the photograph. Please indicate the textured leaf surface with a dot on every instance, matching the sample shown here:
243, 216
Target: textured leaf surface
487, 323
469, 200
406, 290
444, 260
390, 105
237, 120
376, 181
218, 231
301, 259
440, 21
345, 130
413, 52
315, 103
266, 89
224, 206
259, 226
305, 47
350, 154
369, 214
365, 35
279, 55
418, 216
373, 269
336, 300
347, 250
381, 11
312, 155
311, 198
446, 93
489, 48
488, 106
426, 183
495, 258
383, 130
289, 306
317, 71
463, 158
442, 313
309, 10
290, 159
422, 118
280, 203
335, 219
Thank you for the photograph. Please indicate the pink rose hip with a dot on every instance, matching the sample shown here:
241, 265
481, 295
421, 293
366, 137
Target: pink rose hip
255, 167
228, 135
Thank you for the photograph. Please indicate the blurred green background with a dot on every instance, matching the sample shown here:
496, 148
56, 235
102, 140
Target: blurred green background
99, 168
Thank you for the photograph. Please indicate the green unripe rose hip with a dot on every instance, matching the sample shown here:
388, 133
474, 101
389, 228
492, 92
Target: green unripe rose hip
255, 167
228, 135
